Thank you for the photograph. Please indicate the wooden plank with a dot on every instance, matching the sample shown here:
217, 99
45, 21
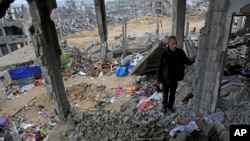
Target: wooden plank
19, 110
150, 62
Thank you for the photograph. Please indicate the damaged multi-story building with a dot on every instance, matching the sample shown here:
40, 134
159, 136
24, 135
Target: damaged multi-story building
129, 9
14, 30
74, 17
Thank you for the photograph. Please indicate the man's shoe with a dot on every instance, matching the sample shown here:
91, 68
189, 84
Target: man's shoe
172, 110
164, 109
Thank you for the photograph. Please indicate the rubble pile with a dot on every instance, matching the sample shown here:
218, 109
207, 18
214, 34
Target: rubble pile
33, 121
234, 100
88, 65
119, 126
21, 128
237, 64
130, 121
144, 125
196, 11
71, 19
89, 61
83, 93
74, 17
197, 8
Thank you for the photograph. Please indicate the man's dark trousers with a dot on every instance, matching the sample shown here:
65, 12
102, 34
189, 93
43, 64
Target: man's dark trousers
169, 90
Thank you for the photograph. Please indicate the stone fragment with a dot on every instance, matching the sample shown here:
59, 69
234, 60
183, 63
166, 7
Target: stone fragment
78, 117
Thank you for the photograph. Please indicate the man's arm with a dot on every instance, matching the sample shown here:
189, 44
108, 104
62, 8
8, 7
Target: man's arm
187, 61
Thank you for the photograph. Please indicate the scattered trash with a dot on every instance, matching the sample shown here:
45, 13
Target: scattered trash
154, 96
27, 87
118, 91
43, 114
26, 125
112, 100
121, 71
187, 129
4, 120
100, 74
82, 73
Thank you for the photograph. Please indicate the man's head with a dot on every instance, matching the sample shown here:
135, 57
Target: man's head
172, 43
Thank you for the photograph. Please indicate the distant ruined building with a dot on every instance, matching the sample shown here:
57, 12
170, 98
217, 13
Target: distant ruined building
75, 16
14, 30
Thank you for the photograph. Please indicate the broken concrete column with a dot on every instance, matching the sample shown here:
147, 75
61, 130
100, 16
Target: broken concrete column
187, 29
210, 60
8, 47
1, 53
2, 31
247, 25
178, 20
45, 41
102, 24
124, 35
26, 32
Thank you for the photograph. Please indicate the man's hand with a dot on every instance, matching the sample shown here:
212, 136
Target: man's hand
192, 59
158, 84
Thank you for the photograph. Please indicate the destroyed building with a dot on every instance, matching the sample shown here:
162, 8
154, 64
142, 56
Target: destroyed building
207, 83
14, 30
74, 17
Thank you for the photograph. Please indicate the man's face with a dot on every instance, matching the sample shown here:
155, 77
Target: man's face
172, 44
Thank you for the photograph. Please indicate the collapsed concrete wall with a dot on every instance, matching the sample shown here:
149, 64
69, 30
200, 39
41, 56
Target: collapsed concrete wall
212, 53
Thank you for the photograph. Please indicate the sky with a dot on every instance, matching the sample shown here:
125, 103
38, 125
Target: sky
20, 2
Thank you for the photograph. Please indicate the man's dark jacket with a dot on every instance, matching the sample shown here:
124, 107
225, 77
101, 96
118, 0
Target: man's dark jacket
171, 65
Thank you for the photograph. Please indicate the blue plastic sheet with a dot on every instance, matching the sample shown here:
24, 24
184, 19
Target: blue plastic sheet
24, 72
121, 71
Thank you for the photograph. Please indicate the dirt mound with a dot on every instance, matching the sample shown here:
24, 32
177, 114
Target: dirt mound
88, 33
135, 27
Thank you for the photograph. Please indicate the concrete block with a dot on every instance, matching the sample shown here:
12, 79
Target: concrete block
5, 79
224, 136
182, 136
220, 128
209, 129
3, 94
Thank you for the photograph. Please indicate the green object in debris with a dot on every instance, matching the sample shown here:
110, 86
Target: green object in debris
65, 59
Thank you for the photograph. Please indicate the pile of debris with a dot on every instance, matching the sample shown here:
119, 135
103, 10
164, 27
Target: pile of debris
134, 119
238, 65
17, 128
90, 62
151, 124
33, 121
69, 20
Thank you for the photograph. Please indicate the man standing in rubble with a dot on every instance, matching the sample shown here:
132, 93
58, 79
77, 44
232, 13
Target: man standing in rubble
170, 71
